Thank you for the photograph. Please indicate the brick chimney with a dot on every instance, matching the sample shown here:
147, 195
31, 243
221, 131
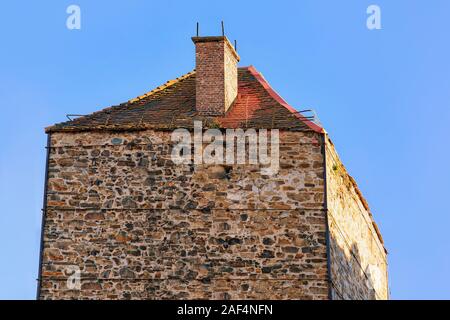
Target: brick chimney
216, 74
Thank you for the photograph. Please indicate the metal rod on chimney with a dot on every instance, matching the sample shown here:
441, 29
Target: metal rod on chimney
197, 29
235, 45
223, 30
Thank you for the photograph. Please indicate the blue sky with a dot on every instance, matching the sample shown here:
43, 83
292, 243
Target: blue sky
383, 96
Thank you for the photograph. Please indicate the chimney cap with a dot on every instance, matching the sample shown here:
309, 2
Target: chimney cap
217, 39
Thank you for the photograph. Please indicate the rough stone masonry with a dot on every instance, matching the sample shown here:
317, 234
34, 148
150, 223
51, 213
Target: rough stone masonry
137, 226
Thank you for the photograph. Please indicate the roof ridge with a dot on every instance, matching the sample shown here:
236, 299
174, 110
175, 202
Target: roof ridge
162, 87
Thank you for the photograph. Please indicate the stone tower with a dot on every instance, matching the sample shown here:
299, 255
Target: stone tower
122, 220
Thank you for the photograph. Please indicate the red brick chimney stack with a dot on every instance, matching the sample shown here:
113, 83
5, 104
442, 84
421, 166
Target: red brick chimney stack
216, 74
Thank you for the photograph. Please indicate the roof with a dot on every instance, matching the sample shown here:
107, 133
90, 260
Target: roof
172, 105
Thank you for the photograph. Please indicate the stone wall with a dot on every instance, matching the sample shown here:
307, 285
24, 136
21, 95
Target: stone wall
358, 257
140, 227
